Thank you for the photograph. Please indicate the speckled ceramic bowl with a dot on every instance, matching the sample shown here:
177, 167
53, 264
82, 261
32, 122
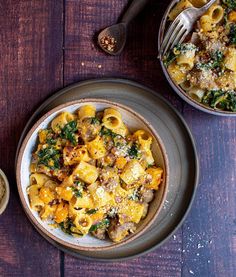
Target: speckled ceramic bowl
134, 121
4, 201
176, 88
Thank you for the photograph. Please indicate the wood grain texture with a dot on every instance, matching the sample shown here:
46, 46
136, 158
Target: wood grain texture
45, 45
209, 234
31, 68
165, 261
83, 59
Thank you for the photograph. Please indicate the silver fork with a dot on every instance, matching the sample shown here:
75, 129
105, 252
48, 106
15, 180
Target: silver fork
181, 27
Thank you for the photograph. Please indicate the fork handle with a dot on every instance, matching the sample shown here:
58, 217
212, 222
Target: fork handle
133, 10
207, 6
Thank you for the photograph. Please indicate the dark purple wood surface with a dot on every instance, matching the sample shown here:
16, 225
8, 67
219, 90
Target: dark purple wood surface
48, 44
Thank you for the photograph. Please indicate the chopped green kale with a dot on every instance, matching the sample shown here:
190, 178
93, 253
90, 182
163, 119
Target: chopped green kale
51, 141
103, 224
184, 47
50, 136
134, 151
79, 183
135, 195
107, 133
69, 130
77, 191
232, 34
214, 63
218, 99
217, 58
95, 121
49, 157
230, 4
92, 211
170, 58
66, 226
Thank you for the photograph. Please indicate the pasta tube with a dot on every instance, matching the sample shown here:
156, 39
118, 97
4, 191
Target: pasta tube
86, 172
96, 148
83, 223
196, 93
216, 13
112, 119
61, 120
87, 111
180, 6
132, 171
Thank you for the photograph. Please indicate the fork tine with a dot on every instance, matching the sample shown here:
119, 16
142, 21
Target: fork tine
172, 27
170, 31
180, 37
183, 37
172, 38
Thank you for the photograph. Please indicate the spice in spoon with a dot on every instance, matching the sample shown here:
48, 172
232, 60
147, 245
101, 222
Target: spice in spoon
2, 188
108, 43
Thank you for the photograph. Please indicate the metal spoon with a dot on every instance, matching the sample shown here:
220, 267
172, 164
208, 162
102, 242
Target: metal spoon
112, 39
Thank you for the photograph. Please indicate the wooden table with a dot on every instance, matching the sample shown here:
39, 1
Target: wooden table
46, 45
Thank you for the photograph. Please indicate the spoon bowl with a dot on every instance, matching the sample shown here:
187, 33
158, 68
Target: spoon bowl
118, 33
112, 39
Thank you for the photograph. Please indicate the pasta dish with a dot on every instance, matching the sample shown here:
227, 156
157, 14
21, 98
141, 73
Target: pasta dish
204, 65
90, 175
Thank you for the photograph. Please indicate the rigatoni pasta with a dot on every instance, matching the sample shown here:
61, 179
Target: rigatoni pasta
90, 175
60, 121
215, 13
180, 6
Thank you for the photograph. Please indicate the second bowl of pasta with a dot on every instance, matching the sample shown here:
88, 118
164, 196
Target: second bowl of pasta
92, 174
202, 69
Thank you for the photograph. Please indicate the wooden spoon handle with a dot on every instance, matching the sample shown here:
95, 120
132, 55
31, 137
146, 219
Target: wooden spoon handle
133, 10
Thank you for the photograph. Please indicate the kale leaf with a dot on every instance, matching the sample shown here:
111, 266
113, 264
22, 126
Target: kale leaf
51, 141
77, 192
49, 157
69, 130
215, 62
95, 121
230, 4
103, 224
92, 211
170, 58
135, 195
224, 100
66, 226
232, 34
134, 152
108, 133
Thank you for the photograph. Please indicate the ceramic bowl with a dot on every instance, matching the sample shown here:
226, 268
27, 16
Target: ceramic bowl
134, 121
176, 88
5, 199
